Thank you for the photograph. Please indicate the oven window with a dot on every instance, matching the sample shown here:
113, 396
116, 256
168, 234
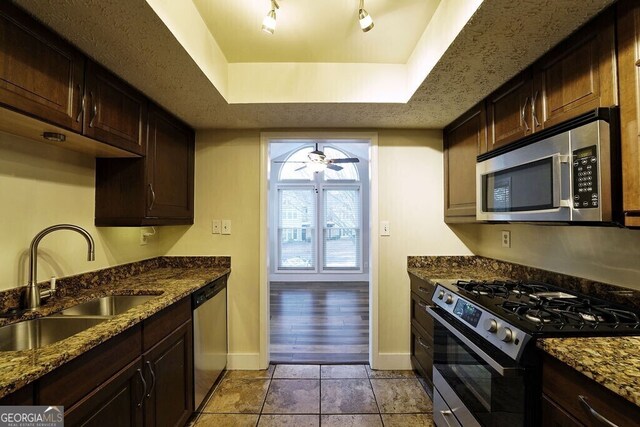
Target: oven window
493, 399
522, 188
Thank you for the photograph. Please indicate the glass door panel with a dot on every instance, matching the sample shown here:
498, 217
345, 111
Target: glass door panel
296, 228
342, 239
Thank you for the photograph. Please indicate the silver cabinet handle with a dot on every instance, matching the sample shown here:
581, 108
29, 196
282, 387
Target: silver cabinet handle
423, 290
422, 344
423, 305
522, 114
638, 63
153, 196
589, 410
81, 104
536, 122
94, 109
153, 379
144, 383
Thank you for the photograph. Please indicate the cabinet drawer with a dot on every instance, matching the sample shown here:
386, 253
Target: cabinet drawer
422, 350
422, 288
71, 382
156, 328
420, 315
565, 385
555, 416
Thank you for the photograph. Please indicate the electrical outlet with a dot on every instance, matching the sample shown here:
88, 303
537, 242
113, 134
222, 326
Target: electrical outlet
143, 237
506, 239
226, 226
384, 228
215, 226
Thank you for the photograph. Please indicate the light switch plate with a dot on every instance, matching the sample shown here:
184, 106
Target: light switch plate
215, 226
384, 228
226, 226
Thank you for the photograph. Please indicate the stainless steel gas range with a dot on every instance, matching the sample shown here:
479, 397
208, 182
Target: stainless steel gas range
487, 371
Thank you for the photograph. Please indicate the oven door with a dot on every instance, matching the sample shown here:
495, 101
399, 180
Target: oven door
532, 183
480, 385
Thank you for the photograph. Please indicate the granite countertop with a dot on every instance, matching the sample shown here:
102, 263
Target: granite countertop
613, 362
169, 282
432, 269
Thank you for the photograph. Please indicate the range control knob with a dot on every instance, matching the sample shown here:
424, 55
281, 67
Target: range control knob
490, 325
505, 334
440, 294
448, 299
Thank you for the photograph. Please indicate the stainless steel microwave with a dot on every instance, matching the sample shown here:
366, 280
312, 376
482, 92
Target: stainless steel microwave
568, 173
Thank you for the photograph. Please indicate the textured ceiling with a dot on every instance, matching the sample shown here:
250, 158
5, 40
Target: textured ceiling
317, 31
502, 37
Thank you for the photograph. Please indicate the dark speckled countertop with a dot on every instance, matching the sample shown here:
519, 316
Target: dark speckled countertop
613, 362
171, 279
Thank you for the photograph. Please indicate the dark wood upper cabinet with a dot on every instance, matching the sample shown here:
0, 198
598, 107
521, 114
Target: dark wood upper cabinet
629, 72
578, 75
464, 139
156, 189
40, 74
509, 111
115, 112
170, 163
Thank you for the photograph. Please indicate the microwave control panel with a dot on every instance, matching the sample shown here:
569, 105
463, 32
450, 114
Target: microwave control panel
585, 178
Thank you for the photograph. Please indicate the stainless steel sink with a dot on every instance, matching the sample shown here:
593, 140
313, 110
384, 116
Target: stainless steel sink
37, 333
107, 306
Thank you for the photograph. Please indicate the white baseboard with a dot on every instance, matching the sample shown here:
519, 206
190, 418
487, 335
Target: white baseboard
392, 361
243, 361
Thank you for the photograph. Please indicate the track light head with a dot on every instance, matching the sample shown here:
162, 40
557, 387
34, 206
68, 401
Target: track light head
366, 23
269, 21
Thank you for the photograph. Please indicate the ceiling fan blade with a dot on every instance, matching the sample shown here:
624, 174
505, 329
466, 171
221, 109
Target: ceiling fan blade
300, 168
290, 161
347, 160
334, 167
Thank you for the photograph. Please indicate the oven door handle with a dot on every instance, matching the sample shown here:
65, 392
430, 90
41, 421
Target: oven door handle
502, 370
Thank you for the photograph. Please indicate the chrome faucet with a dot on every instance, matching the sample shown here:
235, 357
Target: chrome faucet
33, 294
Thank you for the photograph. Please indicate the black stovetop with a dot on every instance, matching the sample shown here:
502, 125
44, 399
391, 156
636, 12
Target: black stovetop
546, 310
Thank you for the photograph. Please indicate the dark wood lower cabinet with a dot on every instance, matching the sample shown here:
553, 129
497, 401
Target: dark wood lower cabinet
422, 330
169, 372
118, 402
555, 416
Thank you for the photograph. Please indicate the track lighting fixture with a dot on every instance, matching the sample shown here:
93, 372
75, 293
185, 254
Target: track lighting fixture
366, 23
269, 21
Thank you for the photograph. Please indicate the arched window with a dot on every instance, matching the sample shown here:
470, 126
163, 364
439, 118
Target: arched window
349, 171
295, 166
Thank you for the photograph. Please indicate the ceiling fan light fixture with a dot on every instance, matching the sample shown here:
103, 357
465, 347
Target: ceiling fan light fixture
269, 21
366, 22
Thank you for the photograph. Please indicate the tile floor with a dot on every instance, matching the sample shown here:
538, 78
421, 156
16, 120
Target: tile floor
314, 395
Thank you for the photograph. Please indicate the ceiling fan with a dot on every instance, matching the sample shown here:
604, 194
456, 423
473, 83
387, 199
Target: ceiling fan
319, 161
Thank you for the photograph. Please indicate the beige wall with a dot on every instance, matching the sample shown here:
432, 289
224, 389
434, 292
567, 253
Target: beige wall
41, 186
227, 187
610, 255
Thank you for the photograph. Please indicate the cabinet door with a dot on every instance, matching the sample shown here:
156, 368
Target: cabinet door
169, 373
578, 75
40, 74
117, 402
509, 111
464, 139
555, 416
170, 158
116, 113
629, 71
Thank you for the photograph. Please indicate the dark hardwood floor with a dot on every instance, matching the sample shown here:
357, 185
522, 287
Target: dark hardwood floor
319, 322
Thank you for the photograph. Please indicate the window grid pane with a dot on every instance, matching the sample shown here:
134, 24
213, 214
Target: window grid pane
296, 229
341, 230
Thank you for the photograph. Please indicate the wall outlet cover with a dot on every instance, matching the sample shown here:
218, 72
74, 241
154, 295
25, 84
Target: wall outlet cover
215, 226
226, 226
384, 228
506, 239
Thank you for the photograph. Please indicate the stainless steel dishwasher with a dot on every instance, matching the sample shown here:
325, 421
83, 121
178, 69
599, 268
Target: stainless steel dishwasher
209, 336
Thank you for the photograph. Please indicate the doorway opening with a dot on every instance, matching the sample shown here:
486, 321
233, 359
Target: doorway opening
318, 250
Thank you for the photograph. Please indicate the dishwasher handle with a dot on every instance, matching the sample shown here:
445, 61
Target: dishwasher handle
207, 292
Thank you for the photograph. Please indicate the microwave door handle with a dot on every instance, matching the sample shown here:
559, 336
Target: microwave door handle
558, 160
502, 370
